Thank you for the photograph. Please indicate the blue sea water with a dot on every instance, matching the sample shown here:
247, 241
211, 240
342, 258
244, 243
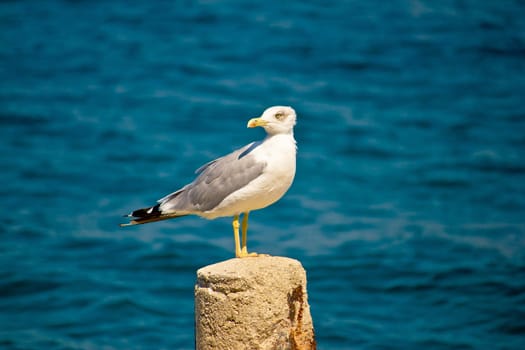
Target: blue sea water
408, 207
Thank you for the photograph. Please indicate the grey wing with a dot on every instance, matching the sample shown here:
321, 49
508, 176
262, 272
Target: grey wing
240, 153
217, 180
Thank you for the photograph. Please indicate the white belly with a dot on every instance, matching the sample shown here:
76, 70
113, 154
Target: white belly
269, 187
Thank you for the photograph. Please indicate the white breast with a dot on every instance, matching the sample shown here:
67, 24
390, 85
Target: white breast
278, 152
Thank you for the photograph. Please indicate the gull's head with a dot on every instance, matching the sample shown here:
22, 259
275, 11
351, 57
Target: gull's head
275, 120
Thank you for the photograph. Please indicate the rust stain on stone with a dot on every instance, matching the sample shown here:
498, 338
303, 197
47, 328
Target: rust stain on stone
299, 340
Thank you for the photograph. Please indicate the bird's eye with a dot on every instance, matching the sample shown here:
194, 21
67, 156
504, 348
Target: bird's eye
280, 116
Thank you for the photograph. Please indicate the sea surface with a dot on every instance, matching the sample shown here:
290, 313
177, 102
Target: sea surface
407, 210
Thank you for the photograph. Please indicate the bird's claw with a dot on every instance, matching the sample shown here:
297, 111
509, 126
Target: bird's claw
244, 254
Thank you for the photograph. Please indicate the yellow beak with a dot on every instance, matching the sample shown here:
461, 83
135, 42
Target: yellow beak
256, 122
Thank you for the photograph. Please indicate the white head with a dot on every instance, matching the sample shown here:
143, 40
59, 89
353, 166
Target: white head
275, 120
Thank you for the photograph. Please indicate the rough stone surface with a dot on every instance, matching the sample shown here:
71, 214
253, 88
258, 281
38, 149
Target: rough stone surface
253, 303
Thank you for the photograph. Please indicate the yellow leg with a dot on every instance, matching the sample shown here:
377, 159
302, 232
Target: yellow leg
235, 225
244, 249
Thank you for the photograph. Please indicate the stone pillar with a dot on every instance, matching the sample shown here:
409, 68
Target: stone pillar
253, 303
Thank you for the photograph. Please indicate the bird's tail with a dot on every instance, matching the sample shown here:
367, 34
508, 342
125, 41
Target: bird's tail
150, 214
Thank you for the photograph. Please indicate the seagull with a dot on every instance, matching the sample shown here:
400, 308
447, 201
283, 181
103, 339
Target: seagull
250, 178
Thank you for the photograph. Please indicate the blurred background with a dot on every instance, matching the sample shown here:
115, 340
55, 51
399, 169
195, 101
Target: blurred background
407, 210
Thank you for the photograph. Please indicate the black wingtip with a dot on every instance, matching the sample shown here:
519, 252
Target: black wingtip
145, 213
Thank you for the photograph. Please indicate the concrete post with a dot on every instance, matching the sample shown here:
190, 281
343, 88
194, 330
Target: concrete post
253, 303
